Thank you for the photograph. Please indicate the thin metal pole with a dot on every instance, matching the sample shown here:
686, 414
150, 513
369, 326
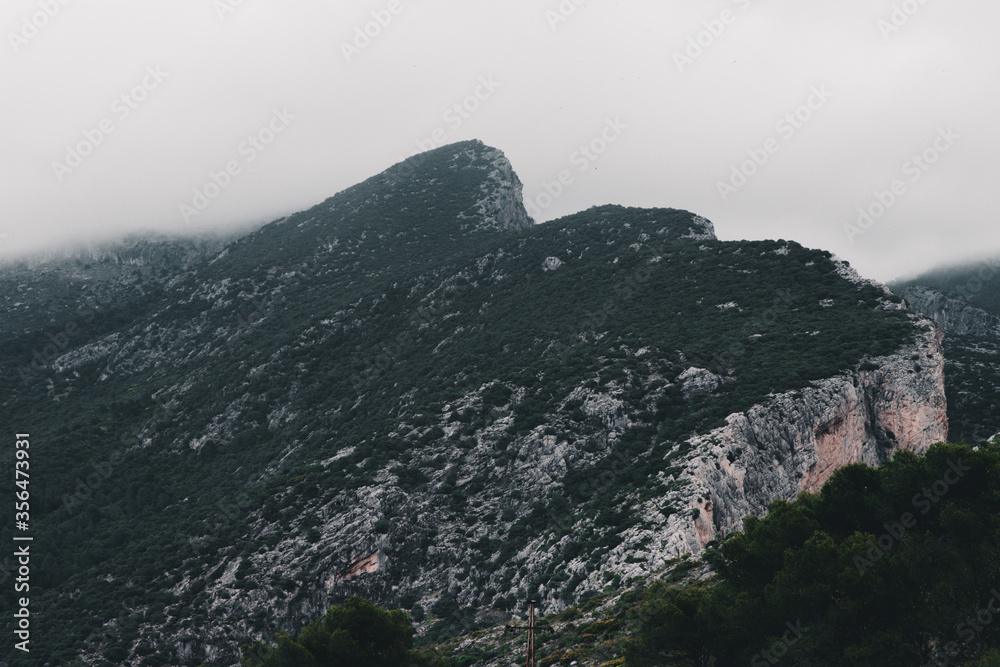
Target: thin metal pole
531, 634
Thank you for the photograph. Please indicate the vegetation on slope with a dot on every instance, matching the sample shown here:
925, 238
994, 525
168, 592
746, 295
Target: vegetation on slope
972, 385
351, 634
978, 282
897, 566
241, 410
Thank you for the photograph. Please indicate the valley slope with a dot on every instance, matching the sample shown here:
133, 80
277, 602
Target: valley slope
962, 301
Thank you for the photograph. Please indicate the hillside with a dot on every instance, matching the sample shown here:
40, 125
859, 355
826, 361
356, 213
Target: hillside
963, 301
411, 392
845, 576
978, 283
42, 290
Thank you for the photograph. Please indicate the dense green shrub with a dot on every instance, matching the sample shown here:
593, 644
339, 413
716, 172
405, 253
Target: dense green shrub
888, 566
351, 634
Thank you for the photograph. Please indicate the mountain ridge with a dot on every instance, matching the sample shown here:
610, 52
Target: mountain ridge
411, 392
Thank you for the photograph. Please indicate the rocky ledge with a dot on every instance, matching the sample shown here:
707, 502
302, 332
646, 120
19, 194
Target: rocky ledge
798, 439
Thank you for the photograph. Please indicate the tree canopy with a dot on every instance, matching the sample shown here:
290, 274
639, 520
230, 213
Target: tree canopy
892, 566
354, 633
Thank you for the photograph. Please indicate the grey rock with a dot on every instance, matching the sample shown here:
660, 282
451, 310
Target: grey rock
698, 381
952, 313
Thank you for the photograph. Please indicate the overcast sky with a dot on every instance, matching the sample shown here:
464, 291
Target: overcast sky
772, 118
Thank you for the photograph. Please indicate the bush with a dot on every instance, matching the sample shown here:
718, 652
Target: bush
855, 565
354, 633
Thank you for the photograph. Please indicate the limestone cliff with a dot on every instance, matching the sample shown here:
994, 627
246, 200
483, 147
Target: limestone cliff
502, 205
797, 440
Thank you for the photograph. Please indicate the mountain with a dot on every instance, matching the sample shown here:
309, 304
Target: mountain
978, 283
963, 301
953, 313
41, 290
413, 393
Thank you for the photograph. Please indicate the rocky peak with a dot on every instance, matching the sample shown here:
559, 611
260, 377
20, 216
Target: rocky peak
502, 205
499, 204
702, 229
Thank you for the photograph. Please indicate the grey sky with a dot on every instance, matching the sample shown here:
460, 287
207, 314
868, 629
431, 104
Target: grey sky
199, 80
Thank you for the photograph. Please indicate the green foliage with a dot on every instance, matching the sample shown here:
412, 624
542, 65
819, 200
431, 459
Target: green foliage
496, 395
359, 321
354, 633
972, 385
452, 620
978, 283
882, 567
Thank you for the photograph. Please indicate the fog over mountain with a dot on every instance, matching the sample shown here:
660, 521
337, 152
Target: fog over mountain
340, 334
775, 120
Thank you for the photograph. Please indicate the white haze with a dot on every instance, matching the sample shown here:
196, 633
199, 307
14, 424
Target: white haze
225, 66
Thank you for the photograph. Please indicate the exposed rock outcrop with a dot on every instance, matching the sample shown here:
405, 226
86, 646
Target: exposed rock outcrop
698, 381
502, 206
796, 441
702, 230
951, 312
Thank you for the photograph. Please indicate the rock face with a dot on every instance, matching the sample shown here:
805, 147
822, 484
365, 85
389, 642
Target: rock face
502, 207
789, 445
795, 442
698, 381
953, 314
702, 229
972, 353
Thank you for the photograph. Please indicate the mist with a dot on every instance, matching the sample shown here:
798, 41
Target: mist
864, 128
